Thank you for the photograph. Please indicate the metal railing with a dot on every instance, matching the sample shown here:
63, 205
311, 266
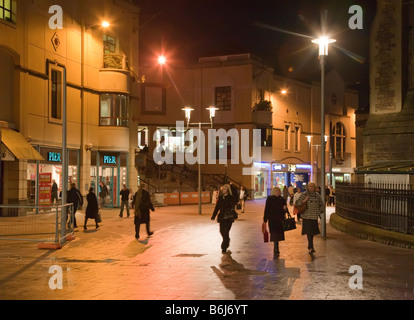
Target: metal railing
383, 205
36, 223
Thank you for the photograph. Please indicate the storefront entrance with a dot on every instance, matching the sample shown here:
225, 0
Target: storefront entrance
109, 176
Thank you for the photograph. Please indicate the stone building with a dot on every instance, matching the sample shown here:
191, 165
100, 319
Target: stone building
388, 135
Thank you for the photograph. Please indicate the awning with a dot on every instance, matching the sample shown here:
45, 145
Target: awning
18, 145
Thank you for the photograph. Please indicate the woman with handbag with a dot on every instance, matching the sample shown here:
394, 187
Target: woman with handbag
226, 215
274, 213
92, 211
314, 209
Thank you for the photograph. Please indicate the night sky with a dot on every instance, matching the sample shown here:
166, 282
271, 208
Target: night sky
185, 30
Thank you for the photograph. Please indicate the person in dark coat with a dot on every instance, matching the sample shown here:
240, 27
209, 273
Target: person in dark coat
224, 203
54, 194
92, 209
75, 197
274, 213
143, 205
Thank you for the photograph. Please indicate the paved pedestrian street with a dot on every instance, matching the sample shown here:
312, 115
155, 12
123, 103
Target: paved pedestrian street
183, 261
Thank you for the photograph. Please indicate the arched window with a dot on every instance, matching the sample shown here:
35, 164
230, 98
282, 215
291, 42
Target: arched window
339, 136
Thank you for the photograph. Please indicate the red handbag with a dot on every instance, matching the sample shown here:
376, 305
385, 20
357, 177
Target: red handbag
265, 233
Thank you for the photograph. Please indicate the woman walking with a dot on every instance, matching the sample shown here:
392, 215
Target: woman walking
92, 211
225, 204
143, 205
274, 212
314, 209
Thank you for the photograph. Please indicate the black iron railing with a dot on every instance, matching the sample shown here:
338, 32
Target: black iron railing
383, 205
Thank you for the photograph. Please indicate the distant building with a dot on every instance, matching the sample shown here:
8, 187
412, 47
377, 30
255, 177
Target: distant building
249, 96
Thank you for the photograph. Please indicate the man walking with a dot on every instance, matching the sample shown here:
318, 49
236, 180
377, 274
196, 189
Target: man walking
124, 200
102, 194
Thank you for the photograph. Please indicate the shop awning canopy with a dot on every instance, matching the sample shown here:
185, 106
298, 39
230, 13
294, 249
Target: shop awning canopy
18, 145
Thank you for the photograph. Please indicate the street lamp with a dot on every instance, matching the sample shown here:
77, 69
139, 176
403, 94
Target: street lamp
323, 43
187, 111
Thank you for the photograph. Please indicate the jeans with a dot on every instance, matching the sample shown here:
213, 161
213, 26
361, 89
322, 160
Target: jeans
124, 203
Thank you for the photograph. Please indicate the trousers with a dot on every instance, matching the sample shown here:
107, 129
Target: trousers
225, 227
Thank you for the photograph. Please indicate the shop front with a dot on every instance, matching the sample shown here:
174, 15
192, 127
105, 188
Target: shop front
42, 174
290, 175
261, 179
112, 171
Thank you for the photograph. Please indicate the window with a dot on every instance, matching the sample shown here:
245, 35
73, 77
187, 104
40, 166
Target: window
55, 73
339, 136
223, 98
266, 136
6, 12
287, 136
109, 44
297, 137
142, 137
153, 99
56, 94
114, 110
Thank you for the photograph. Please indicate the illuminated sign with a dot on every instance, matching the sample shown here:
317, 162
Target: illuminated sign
53, 157
109, 160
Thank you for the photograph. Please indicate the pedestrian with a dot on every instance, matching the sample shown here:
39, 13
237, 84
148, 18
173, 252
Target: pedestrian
76, 198
314, 209
102, 194
274, 214
331, 196
225, 204
285, 193
54, 193
92, 211
327, 193
143, 205
124, 201
131, 199
242, 198
295, 198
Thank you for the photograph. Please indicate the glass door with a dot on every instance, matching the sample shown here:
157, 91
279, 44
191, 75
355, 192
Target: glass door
109, 176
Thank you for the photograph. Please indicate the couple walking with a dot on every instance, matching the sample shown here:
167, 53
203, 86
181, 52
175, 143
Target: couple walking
276, 209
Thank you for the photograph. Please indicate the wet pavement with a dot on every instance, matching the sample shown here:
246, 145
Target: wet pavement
183, 261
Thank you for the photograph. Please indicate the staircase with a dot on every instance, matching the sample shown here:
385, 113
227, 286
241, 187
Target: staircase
168, 178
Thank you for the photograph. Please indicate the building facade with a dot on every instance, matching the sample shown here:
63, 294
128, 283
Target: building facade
249, 96
100, 64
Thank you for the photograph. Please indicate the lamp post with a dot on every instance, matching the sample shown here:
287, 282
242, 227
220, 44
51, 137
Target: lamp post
187, 111
323, 43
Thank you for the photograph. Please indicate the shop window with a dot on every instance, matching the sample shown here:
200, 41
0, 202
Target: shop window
223, 98
114, 110
339, 138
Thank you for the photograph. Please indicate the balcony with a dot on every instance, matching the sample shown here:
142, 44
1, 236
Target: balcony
115, 74
262, 113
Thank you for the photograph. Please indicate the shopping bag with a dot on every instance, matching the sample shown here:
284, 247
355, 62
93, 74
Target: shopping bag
265, 232
289, 223
98, 218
